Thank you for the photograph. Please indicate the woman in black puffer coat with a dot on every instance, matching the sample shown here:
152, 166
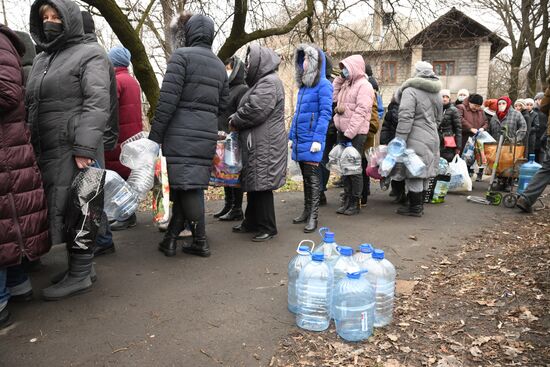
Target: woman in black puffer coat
194, 93
450, 126
68, 106
232, 210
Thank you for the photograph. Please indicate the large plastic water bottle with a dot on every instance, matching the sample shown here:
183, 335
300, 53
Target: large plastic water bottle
294, 267
363, 255
328, 247
232, 153
140, 155
314, 290
414, 164
344, 264
354, 301
526, 173
120, 200
387, 165
382, 273
396, 147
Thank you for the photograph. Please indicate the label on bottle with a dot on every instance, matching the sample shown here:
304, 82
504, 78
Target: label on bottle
364, 321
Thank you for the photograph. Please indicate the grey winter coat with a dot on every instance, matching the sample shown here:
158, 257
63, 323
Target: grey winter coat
261, 124
67, 104
194, 93
514, 122
420, 114
237, 89
110, 136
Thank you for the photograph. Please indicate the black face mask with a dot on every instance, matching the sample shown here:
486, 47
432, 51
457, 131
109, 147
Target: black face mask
52, 30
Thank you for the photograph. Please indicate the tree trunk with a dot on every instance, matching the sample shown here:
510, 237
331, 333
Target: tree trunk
130, 39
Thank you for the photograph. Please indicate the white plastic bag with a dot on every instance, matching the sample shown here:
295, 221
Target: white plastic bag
350, 161
460, 178
333, 164
485, 137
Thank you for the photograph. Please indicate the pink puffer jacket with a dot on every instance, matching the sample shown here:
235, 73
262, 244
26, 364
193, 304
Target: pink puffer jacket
355, 97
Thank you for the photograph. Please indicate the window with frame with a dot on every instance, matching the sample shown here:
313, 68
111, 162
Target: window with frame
389, 71
444, 68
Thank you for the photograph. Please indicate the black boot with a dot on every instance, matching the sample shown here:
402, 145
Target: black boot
354, 206
228, 203
398, 187
169, 245
236, 212
302, 218
415, 207
199, 246
322, 199
76, 281
314, 199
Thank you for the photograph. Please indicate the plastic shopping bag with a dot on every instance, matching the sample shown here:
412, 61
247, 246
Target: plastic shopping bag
460, 177
350, 161
468, 154
161, 191
333, 164
219, 175
232, 154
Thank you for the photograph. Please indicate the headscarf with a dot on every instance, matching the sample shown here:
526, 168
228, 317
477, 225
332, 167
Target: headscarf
502, 114
120, 56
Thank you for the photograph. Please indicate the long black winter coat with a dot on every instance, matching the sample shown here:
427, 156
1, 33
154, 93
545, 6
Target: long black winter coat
532, 121
450, 126
30, 53
260, 121
391, 118
194, 92
542, 130
68, 105
237, 89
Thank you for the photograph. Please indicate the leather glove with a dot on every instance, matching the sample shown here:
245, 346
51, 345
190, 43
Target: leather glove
315, 147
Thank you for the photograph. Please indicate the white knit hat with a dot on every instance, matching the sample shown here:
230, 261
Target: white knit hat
445, 92
464, 91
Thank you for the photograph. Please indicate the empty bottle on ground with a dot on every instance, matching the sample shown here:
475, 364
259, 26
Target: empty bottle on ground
328, 247
344, 265
294, 267
314, 290
382, 273
363, 255
354, 301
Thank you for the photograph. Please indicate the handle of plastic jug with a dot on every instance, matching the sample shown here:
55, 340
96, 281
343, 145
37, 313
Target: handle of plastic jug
338, 248
361, 272
300, 244
323, 230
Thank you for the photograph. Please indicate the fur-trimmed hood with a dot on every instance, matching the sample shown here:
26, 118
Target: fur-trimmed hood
316, 68
430, 85
188, 30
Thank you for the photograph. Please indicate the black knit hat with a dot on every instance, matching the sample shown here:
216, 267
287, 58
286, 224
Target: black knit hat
88, 22
475, 99
368, 70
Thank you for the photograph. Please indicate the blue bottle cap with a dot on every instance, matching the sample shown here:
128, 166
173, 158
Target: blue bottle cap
378, 254
345, 250
303, 248
329, 237
355, 275
318, 257
366, 248
531, 157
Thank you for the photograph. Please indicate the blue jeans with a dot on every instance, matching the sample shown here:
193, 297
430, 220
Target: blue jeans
105, 239
10, 278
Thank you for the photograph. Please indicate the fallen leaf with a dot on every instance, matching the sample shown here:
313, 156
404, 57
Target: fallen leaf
527, 315
392, 363
412, 237
511, 351
405, 287
482, 340
393, 337
449, 361
384, 345
33, 340
476, 352
445, 261
405, 349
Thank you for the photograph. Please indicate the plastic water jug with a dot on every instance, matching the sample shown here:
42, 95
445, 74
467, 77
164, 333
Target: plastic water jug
328, 247
387, 165
314, 290
526, 173
396, 147
294, 267
363, 255
120, 200
382, 273
350, 161
140, 156
354, 301
232, 154
344, 264
414, 164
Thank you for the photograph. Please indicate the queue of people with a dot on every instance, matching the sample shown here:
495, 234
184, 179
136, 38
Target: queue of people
78, 103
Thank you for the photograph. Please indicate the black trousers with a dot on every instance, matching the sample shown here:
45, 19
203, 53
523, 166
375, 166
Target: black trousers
188, 206
260, 212
353, 184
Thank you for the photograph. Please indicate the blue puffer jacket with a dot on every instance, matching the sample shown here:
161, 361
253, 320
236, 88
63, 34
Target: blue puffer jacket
314, 107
